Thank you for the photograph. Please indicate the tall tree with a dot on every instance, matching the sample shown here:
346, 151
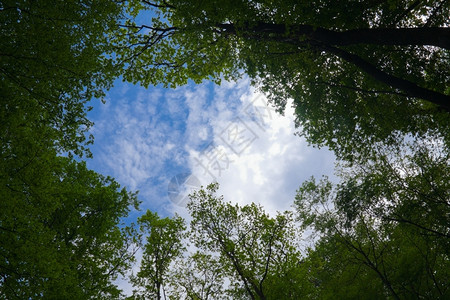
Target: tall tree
358, 72
164, 243
258, 253
384, 230
200, 276
61, 234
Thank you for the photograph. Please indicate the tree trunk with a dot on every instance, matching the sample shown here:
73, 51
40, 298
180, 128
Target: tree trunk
419, 36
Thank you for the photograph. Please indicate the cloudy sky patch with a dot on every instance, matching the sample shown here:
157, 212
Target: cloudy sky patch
147, 137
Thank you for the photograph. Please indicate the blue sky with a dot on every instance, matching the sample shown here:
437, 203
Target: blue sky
147, 137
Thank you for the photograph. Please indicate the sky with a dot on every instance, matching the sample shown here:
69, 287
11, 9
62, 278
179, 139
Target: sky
165, 143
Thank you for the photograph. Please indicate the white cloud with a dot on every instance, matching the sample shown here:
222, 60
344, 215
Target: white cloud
254, 154
136, 135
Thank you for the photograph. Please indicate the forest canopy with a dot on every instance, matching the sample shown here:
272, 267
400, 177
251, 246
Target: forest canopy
368, 79
61, 225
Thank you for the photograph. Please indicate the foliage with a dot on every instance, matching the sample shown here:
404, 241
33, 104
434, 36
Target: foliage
60, 230
198, 276
163, 245
258, 253
369, 80
237, 253
384, 230
381, 233
61, 234
53, 62
358, 72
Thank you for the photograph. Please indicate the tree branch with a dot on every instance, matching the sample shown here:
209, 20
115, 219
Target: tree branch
408, 87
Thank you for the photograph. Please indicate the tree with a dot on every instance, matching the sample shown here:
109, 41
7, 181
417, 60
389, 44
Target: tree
359, 72
258, 253
61, 234
164, 243
54, 60
384, 230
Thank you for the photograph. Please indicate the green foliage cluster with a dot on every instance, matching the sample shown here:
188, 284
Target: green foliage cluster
61, 231
237, 252
163, 244
383, 232
258, 253
53, 63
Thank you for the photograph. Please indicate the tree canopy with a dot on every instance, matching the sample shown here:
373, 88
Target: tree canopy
369, 79
357, 71
237, 252
164, 243
61, 230
258, 253
383, 232
54, 60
